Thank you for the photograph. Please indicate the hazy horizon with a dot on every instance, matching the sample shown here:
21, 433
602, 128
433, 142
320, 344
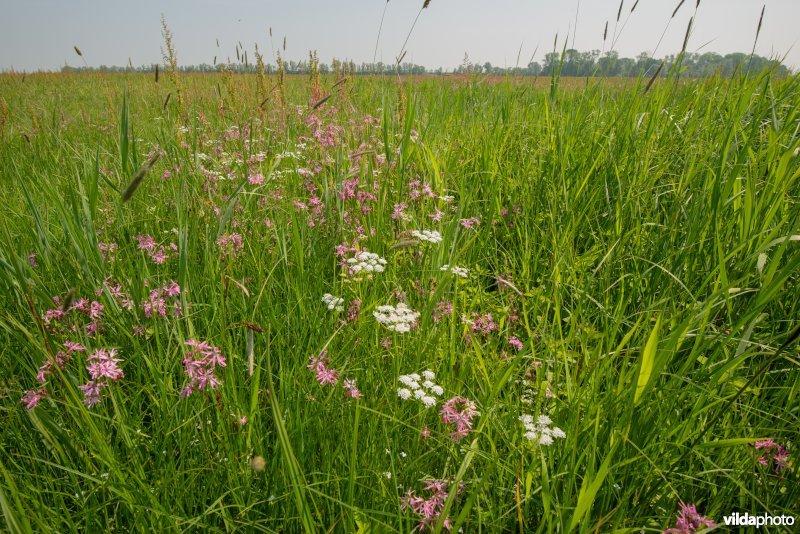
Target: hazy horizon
41, 34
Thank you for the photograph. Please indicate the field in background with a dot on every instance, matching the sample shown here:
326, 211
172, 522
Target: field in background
630, 262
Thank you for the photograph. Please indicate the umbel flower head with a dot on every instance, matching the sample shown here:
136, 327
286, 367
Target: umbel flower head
431, 236
425, 391
333, 303
366, 262
540, 431
396, 318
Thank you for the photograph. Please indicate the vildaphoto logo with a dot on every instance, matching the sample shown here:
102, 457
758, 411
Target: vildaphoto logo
746, 520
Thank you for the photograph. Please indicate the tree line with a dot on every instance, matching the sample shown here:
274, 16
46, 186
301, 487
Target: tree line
570, 63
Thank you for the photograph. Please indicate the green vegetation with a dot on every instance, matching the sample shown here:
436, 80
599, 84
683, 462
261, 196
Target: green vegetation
632, 263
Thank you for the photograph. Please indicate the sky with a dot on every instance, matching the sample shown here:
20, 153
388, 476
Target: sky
40, 34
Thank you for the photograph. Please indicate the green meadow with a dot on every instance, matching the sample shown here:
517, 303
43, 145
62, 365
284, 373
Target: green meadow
336, 303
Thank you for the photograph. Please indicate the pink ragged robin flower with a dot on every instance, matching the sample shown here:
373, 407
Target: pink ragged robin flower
443, 309
33, 397
470, 223
323, 373
689, 521
104, 364
353, 311
772, 455
241, 419
91, 392
351, 389
430, 509
459, 411
199, 364
399, 211
515, 342
146, 242
231, 245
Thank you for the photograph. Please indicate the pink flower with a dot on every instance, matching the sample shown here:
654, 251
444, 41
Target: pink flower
91, 392
319, 366
352, 391
461, 418
399, 211
241, 419
159, 256
430, 509
103, 364
107, 250
470, 223
772, 452
33, 397
172, 290
443, 309
71, 347
199, 364
231, 244
515, 342
256, 179
146, 242
689, 521
353, 311
96, 310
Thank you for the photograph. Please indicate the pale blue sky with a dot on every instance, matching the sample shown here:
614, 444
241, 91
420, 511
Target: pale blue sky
40, 34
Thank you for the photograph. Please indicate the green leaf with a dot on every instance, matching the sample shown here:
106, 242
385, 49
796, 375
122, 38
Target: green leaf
648, 362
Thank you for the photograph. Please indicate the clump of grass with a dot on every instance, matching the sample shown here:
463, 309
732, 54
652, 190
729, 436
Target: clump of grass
170, 59
4, 113
262, 93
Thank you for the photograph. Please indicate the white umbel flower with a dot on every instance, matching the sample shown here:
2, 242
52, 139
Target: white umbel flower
461, 272
539, 431
397, 319
333, 303
366, 262
431, 236
426, 392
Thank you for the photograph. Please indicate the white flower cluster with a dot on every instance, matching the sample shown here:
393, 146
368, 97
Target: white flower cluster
540, 430
367, 262
431, 236
424, 391
333, 303
463, 272
397, 319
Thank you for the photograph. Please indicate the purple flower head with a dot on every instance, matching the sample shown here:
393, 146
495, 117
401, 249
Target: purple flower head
515, 342
689, 521
772, 455
103, 364
91, 392
199, 364
33, 397
459, 411
429, 509
319, 366
351, 389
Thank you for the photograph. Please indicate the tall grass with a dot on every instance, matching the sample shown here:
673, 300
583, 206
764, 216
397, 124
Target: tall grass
645, 242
